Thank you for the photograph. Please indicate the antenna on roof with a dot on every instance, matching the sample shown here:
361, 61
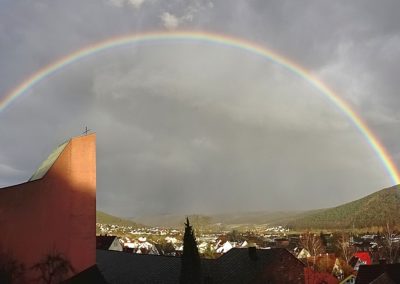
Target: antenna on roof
86, 130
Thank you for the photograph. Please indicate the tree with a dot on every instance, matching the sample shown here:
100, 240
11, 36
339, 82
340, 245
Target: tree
167, 248
234, 236
323, 239
343, 245
390, 247
190, 261
53, 268
11, 271
312, 243
347, 270
209, 252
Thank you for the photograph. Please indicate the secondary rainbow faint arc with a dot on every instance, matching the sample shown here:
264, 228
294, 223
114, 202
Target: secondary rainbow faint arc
215, 39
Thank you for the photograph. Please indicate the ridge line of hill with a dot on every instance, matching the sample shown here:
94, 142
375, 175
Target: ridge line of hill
365, 212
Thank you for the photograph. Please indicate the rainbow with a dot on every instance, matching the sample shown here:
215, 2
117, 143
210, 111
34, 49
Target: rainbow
213, 38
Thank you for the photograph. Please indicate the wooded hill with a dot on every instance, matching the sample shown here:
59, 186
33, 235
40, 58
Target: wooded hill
105, 218
373, 210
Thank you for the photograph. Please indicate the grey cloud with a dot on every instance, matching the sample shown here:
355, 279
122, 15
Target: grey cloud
194, 128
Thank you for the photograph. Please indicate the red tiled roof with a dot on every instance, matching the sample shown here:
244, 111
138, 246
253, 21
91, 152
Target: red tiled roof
364, 256
313, 277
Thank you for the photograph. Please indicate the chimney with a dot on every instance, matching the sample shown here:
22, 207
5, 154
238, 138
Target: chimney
253, 253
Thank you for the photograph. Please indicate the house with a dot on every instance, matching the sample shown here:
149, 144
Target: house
303, 254
364, 257
281, 242
378, 273
251, 265
224, 248
322, 269
360, 258
126, 268
362, 246
141, 246
384, 278
108, 243
315, 277
351, 279
238, 265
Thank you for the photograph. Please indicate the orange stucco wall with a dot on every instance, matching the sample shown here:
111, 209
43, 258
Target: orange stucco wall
55, 213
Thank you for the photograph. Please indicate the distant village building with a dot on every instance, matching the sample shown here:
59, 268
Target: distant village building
360, 258
224, 248
141, 246
281, 242
351, 279
316, 277
303, 254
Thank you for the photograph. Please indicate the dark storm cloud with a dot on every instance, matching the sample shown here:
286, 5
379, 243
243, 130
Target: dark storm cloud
199, 128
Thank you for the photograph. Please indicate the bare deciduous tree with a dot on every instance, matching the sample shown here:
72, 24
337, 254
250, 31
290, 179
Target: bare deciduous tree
11, 271
312, 243
53, 268
390, 247
343, 244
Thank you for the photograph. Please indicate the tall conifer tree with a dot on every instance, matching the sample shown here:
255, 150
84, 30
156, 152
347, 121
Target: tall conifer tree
191, 264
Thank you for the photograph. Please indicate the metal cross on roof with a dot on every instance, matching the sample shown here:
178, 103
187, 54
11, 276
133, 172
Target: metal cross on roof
86, 130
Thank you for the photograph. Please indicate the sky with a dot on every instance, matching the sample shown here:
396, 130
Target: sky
192, 127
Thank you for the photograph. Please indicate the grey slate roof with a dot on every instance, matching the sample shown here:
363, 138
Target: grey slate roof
46, 164
368, 273
124, 268
91, 275
383, 279
104, 242
236, 266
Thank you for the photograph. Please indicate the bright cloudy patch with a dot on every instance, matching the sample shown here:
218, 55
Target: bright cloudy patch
169, 21
121, 3
136, 3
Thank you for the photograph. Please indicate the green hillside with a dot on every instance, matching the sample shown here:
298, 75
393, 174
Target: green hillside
260, 217
175, 221
372, 210
105, 218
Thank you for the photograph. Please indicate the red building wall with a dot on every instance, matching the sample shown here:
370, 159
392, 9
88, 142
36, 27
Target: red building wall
56, 212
